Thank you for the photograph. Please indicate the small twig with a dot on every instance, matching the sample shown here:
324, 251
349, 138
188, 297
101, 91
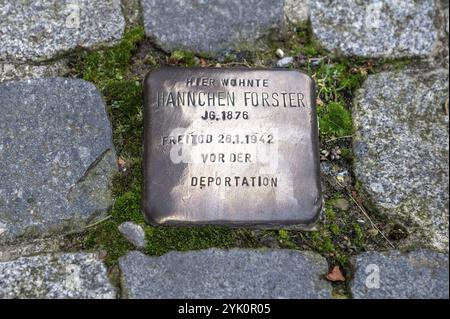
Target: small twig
99, 222
338, 138
366, 215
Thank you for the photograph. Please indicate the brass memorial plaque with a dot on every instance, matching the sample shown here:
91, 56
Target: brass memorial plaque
235, 147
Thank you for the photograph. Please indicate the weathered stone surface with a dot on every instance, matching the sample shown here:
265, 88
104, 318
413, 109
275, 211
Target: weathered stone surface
33, 247
440, 56
39, 30
210, 26
446, 11
70, 275
375, 28
10, 71
401, 146
296, 10
56, 157
285, 62
232, 273
393, 275
133, 233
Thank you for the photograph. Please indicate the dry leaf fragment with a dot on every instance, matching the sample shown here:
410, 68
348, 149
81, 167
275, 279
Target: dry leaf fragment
336, 274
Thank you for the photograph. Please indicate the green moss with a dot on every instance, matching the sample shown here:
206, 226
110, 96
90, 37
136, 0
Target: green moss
335, 230
335, 120
164, 239
303, 42
342, 259
324, 241
395, 64
127, 207
108, 70
358, 234
336, 79
283, 234
151, 61
106, 236
107, 66
327, 245
337, 295
337, 236
285, 239
126, 110
184, 58
331, 221
347, 153
329, 213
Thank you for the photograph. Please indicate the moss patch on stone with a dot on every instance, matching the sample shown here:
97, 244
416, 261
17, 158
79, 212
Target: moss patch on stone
336, 81
183, 58
110, 65
164, 239
109, 69
335, 120
337, 236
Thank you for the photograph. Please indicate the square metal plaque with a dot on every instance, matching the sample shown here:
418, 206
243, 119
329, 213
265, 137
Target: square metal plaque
236, 147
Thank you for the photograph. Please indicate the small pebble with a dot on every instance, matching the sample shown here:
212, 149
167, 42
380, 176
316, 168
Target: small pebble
280, 53
133, 233
285, 62
315, 62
